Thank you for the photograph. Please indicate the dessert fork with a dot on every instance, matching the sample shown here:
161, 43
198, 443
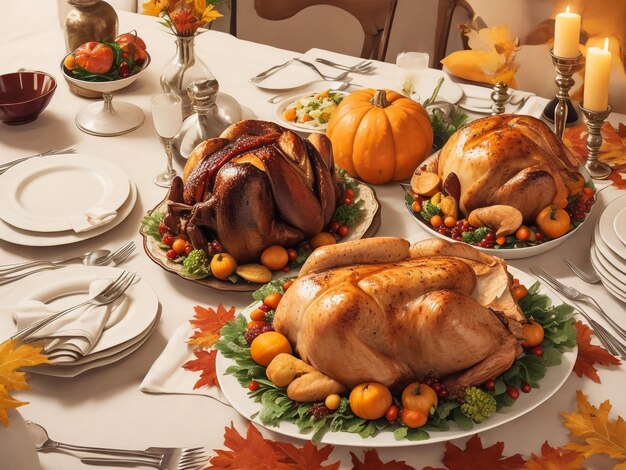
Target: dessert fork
591, 278
573, 294
170, 459
5, 166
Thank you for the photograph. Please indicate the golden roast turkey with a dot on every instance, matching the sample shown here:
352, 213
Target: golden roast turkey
381, 310
505, 160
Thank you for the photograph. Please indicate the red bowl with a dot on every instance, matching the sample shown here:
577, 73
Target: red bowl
24, 95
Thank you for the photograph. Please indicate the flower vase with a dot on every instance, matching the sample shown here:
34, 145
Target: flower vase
183, 69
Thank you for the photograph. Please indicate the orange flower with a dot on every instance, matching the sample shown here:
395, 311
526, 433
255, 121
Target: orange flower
184, 17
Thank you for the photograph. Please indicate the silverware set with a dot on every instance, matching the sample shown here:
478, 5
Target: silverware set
5, 166
164, 458
608, 340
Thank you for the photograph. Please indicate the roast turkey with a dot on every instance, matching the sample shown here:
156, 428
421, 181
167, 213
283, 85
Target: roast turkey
379, 310
256, 185
505, 160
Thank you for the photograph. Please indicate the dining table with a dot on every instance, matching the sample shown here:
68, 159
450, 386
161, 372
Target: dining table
105, 406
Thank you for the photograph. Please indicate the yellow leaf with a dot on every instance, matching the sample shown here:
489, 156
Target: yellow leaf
13, 359
7, 402
600, 434
204, 339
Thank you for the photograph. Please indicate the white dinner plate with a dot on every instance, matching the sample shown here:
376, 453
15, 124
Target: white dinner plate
68, 286
607, 254
619, 225
304, 127
293, 75
612, 284
28, 238
41, 194
607, 230
478, 99
549, 385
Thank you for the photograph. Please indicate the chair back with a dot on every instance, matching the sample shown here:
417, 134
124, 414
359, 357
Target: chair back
375, 17
445, 12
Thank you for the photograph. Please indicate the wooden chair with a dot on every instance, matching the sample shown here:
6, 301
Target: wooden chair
375, 17
445, 12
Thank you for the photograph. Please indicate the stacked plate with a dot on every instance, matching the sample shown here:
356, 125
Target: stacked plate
44, 197
608, 252
129, 323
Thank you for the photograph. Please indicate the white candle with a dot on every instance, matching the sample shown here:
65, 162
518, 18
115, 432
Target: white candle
566, 34
597, 72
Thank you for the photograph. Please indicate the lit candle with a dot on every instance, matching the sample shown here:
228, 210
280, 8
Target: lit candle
597, 72
566, 34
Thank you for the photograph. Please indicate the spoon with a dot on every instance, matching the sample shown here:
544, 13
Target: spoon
90, 258
332, 85
42, 442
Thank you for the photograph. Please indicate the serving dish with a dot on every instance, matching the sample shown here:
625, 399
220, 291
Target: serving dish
24, 95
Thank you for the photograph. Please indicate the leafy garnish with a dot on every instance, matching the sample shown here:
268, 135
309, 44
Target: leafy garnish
475, 235
349, 215
429, 210
446, 125
150, 224
275, 285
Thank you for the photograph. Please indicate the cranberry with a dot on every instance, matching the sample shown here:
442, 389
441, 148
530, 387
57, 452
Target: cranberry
253, 386
349, 194
167, 239
579, 215
171, 254
266, 308
443, 394
490, 236
333, 226
343, 231
512, 392
490, 384
162, 228
124, 70
217, 246
526, 388
347, 201
536, 350
538, 236
437, 387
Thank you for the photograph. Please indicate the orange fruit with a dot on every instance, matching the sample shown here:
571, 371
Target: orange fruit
267, 346
274, 257
370, 400
321, 239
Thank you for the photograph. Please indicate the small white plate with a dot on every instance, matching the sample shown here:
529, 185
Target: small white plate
619, 225
42, 193
28, 238
606, 227
608, 254
609, 282
478, 100
304, 127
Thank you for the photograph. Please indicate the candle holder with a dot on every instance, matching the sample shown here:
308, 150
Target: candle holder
500, 96
595, 119
565, 68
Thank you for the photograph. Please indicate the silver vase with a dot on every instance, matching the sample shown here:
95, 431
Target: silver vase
183, 69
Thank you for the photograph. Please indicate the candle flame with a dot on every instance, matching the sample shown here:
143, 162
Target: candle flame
606, 44
567, 9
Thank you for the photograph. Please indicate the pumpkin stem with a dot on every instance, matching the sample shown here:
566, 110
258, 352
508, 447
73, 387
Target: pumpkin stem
380, 99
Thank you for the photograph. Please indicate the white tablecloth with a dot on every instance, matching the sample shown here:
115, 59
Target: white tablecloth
104, 406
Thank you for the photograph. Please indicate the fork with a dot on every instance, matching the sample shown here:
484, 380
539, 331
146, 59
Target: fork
109, 294
339, 77
591, 278
610, 342
171, 459
573, 294
5, 166
362, 67
271, 71
118, 256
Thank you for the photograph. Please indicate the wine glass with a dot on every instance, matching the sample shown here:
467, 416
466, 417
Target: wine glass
411, 66
102, 118
167, 115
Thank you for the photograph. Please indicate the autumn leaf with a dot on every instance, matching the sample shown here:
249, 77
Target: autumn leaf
593, 426
254, 451
475, 457
204, 362
555, 459
590, 354
372, 462
7, 402
13, 358
209, 320
204, 339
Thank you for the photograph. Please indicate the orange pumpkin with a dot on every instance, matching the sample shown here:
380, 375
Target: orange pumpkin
533, 334
131, 42
419, 396
94, 57
553, 222
379, 135
267, 346
223, 265
370, 400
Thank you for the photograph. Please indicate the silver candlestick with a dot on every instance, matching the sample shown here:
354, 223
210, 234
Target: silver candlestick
594, 120
565, 68
500, 96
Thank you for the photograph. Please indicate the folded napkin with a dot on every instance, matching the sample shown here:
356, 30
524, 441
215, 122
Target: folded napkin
167, 375
73, 335
92, 218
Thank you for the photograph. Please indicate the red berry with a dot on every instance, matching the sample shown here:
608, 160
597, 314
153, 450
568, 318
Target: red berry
255, 331
347, 201
253, 386
124, 71
188, 248
343, 231
444, 393
171, 254
349, 193
536, 350
437, 387
539, 236
333, 226
162, 228
512, 392
292, 254
167, 239
265, 308
490, 384
217, 246
392, 413
526, 388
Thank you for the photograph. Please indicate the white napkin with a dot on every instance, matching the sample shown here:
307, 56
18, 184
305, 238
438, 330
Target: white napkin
73, 335
91, 219
167, 375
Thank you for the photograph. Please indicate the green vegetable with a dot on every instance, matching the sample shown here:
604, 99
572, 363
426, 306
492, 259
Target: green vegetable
477, 404
349, 215
275, 285
445, 125
429, 210
197, 264
474, 236
150, 224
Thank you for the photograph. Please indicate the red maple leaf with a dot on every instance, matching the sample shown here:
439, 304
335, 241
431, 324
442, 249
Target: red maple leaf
209, 320
474, 457
254, 451
204, 362
553, 458
372, 462
590, 354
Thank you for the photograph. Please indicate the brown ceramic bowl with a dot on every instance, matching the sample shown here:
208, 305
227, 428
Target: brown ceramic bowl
24, 95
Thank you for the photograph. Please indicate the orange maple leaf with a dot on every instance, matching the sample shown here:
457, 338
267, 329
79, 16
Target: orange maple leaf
209, 320
475, 457
555, 459
204, 362
254, 451
590, 354
204, 339
372, 462
593, 426
7, 402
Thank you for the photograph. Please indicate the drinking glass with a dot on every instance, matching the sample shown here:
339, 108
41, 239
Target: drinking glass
411, 66
167, 115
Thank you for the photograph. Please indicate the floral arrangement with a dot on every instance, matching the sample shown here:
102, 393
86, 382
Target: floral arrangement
183, 17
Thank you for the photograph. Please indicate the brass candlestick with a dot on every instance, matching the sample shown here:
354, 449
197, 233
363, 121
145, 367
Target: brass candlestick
565, 68
594, 120
500, 96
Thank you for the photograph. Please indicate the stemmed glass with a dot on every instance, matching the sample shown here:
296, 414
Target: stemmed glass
167, 115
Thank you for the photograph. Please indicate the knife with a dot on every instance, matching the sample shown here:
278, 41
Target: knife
271, 71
